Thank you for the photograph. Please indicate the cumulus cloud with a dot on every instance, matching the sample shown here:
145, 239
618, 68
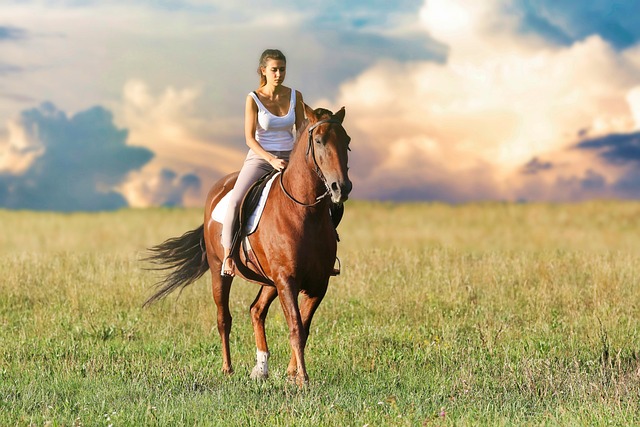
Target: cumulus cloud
503, 101
446, 99
52, 161
184, 142
165, 189
211, 44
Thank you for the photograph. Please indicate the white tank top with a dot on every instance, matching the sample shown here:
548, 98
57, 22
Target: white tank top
275, 133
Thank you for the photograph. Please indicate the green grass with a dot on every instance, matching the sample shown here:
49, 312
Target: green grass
479, 314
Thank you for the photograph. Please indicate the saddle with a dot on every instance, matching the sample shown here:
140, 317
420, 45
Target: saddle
247, 206
251, 199
251, 268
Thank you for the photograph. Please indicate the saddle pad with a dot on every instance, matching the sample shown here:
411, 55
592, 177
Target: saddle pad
221, 208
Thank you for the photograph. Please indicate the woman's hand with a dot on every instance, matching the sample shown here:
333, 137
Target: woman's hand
278, 164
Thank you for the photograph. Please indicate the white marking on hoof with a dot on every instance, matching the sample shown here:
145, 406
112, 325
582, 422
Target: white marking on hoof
261, 370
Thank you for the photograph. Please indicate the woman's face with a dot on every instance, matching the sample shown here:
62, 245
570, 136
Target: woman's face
275, 71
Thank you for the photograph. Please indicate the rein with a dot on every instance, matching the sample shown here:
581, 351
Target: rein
311, 148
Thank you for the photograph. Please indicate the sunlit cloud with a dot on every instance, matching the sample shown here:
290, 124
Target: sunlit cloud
165, 188
502, 99
452, 100
169, 125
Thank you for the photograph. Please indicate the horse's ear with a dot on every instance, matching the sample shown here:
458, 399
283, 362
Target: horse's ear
311, 115
339, 116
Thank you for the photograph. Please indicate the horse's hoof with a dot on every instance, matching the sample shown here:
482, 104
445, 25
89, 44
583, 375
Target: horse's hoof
299, 380
302, 382
257, 373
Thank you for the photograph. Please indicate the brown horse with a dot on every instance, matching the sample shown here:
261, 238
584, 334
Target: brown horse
295, 243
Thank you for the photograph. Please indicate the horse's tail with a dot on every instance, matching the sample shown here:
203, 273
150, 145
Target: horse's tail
186, 255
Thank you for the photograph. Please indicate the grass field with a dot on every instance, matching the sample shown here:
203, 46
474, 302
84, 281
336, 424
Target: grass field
479, 314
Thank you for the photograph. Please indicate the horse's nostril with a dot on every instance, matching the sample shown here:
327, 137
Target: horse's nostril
334, 186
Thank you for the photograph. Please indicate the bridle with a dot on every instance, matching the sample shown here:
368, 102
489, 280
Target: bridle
311, 148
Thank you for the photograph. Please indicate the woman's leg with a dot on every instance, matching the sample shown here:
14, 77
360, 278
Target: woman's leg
253, 168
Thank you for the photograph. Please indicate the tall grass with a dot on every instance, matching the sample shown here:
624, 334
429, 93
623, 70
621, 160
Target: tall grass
478, 314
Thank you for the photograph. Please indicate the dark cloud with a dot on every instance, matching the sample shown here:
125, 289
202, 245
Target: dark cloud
6, 69
536, 165
564, 22
173, 189
615, 148
589, 185
592, 180
622, 150
11, 33
628, 186
84, 157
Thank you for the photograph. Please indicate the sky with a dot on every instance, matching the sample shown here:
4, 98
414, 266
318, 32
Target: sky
115, 103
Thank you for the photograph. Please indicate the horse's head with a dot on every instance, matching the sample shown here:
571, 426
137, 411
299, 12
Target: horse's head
329, 146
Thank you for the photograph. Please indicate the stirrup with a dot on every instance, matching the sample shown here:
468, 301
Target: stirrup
336, 271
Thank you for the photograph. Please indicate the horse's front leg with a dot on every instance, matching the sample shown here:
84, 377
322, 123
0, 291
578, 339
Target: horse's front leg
288, 293
259, 310
308, 307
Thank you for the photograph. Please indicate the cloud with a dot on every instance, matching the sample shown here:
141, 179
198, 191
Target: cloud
55, 162
535, 166
504, 102
6, 69
165, 189
213, 45
185, 143
454, 100
615, 148
11, 33
622, 151
422, 177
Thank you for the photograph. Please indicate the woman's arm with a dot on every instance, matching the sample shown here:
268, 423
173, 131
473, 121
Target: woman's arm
250, 125
299, 111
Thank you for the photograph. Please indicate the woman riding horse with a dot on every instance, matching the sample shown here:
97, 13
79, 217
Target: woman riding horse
270, 113
295, 243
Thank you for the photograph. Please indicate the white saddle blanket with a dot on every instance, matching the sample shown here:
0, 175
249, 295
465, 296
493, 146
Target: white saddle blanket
221, 208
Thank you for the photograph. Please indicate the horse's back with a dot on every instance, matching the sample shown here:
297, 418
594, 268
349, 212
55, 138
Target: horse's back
218, 190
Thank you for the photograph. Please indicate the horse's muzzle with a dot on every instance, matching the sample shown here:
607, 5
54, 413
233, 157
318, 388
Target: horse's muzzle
340, 191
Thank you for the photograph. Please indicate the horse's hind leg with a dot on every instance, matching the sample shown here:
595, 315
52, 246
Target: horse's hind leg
221, 287
308, 307
259, 310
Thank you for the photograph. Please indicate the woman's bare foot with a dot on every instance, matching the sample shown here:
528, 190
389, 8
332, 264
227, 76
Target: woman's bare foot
228, 266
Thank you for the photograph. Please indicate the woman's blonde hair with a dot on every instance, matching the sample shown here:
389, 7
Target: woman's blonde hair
266, 56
